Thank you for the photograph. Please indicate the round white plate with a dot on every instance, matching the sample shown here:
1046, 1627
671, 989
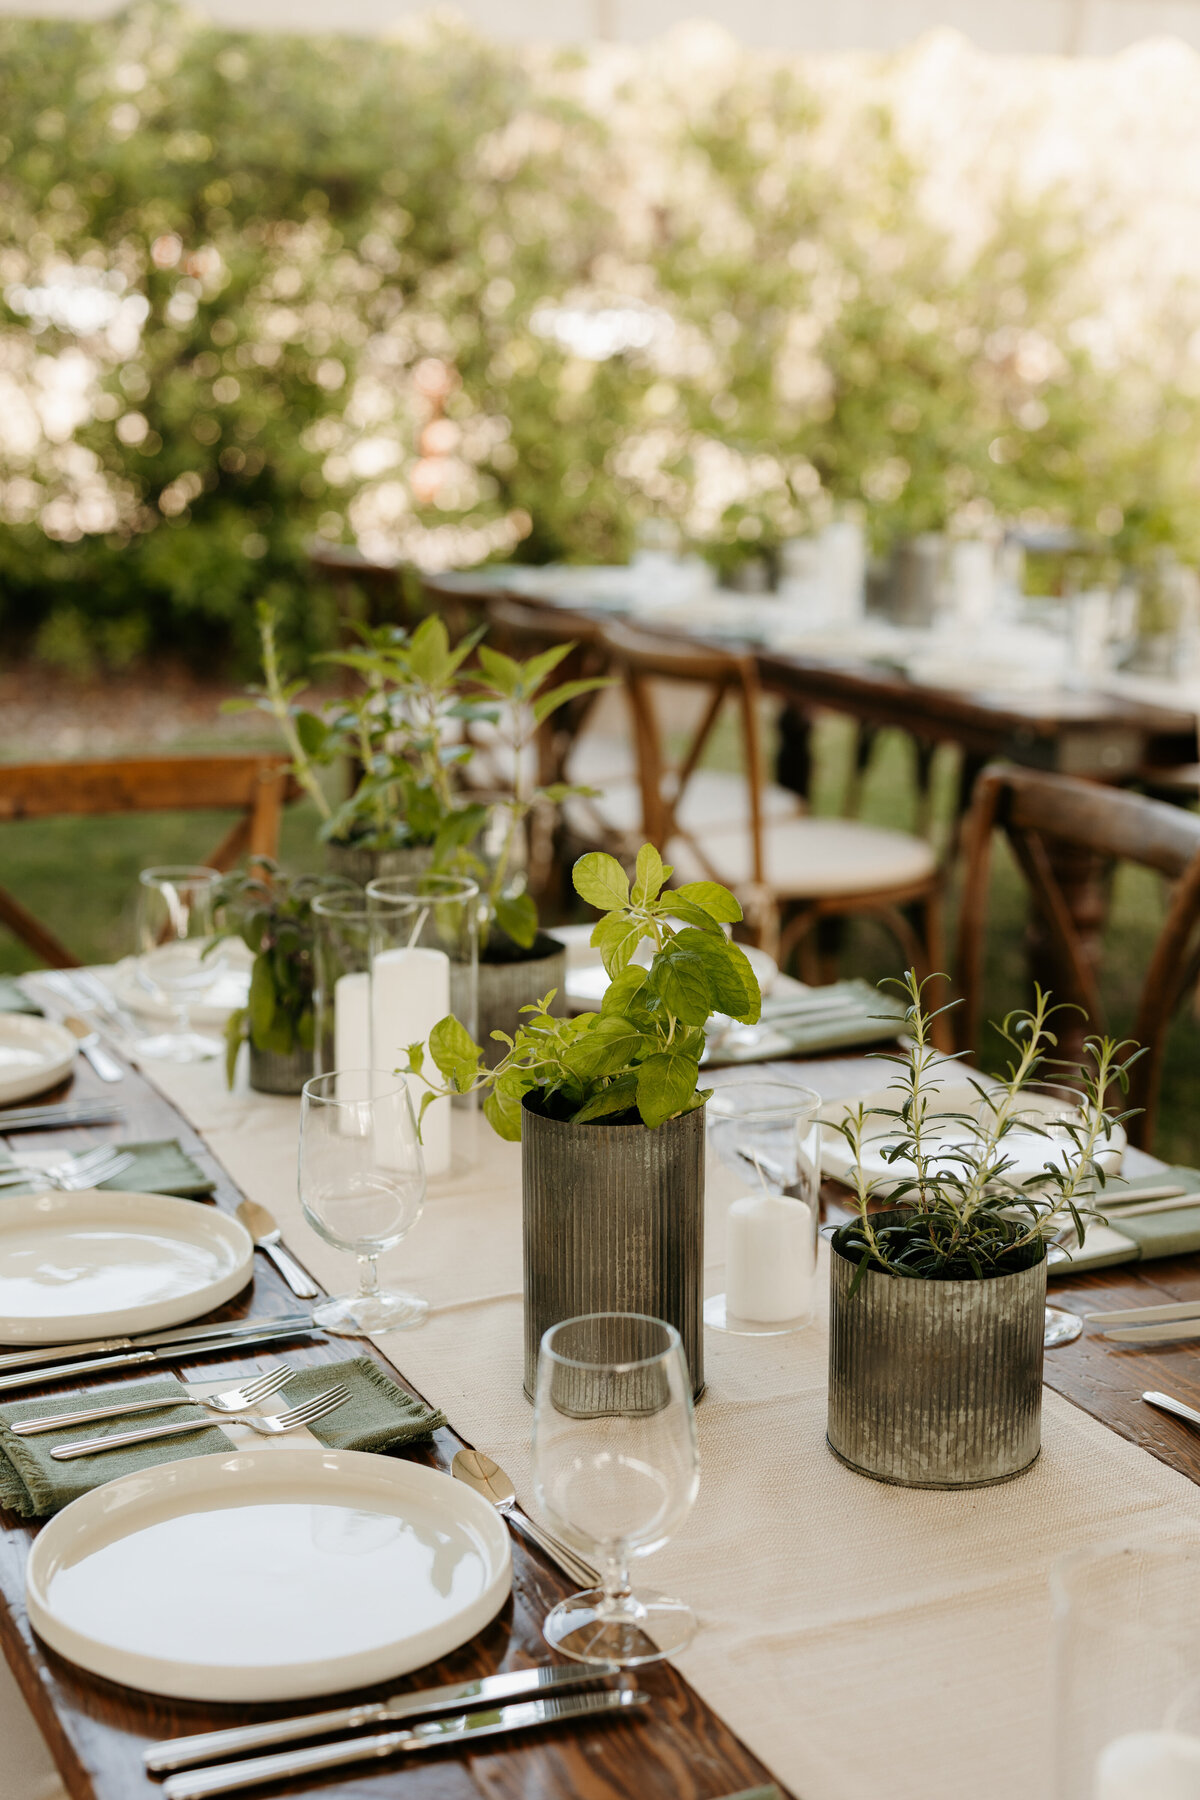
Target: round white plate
1029, 1151
230, 990
77, 1266
34, 1055
268, 1574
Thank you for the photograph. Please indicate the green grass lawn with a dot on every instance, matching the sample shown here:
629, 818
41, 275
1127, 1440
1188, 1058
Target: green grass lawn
80, 876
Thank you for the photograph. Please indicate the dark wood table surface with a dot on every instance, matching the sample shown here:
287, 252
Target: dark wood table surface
679, 1749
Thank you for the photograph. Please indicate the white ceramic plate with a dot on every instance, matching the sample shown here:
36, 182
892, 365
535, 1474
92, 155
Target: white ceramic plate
34, 1055
1029, 1150
77, 1266
229, 991
268, 1574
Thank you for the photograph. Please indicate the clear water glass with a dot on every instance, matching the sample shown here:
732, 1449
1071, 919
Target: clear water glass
362, 1187
342, 980
1127, 1673
616, 1469
179, 957
768, 1133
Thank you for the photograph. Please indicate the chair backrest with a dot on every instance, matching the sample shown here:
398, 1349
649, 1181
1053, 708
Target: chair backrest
1035, 811
723, 677
258, 787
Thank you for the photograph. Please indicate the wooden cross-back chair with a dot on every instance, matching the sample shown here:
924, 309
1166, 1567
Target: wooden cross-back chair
257, 786
1039, 814
790, 871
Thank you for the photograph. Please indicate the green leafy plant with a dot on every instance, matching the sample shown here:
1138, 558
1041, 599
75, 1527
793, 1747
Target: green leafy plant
966, 1214
639, 1056
516, 701
272, 914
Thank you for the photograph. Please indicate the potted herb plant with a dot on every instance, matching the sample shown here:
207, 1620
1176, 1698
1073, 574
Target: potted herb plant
608, 1106
272, 914
518, 962
937, 1298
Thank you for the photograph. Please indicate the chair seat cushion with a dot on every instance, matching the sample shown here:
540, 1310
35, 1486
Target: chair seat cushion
811, 859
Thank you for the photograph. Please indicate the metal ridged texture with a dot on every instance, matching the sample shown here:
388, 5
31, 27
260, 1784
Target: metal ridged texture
614, 1222
271, 1073
360, 866
935, 1384
505, 987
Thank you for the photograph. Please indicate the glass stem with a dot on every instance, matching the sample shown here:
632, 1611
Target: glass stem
368, 1278
616, 1583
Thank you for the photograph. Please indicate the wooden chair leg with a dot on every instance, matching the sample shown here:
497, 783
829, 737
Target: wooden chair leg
34, 935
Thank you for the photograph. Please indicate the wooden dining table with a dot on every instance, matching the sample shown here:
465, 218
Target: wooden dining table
680, 1749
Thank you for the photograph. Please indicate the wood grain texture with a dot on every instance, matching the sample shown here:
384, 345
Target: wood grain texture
677, 1750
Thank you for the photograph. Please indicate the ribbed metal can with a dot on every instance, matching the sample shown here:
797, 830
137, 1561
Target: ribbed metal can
505, 987
935, 1384
273, 1073
613, 1222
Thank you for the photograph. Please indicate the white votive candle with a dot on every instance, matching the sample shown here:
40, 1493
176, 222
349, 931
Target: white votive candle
769, 1261
410, 992
1149, 1765
352, 1021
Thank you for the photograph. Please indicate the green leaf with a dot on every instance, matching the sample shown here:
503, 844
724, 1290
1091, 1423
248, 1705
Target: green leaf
429, 653
665, 1084
235, 1032
501, 671
649, 876
712, 898
616, 938
457, 829
503, 1114
617, 1097
732, 981
601, 881
621, 990
454, 1052
679, 975
416, 1058
550, 702
312, 732
536, 669
605, 1050
261, 1005
687, 914
517, 915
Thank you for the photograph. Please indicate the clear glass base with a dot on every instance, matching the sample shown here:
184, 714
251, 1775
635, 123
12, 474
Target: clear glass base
718, 1318
358, 1315
179, 1047
1061, 1327
639, 1628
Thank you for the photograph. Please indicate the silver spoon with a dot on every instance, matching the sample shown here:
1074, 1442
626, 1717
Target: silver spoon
488, 1478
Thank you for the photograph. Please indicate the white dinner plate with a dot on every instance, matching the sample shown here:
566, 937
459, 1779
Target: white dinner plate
77, 1266
34, 1055
1029, 1150
268, 1574
230, 990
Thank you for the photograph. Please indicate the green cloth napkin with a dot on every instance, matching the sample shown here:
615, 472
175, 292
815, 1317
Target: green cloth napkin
159, 1167
13, 998
868, 1017
378, 1416
1175, 1232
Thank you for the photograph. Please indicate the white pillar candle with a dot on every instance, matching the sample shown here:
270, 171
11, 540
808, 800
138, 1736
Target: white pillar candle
352, 1021
410, 992
1149, 1765
769, 1261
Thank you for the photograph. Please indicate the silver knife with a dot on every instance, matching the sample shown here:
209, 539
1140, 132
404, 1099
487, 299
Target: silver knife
210, 1746
61, 1371
148, 1340
461, 1728
1156, 1334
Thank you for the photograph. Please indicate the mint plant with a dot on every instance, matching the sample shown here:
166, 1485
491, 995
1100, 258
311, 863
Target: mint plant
639, 1056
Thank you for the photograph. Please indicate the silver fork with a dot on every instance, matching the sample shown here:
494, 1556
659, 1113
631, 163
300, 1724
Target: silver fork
233, 1400
307, 1414
73, 1172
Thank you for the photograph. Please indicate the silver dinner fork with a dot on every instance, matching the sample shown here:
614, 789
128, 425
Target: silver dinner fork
307, 1414
73, 1172
233, 1400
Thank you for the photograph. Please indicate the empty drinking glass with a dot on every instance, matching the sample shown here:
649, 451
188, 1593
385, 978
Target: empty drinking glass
616, 1469
362, 1186
179, 955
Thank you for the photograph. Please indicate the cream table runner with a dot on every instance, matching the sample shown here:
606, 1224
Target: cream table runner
868, 1642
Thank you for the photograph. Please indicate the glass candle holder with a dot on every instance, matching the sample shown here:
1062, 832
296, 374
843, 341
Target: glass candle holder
1127, 1673
768, 1133
424, 943
342, 988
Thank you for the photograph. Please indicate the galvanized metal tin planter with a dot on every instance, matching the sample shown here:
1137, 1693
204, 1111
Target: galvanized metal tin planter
273, 1073
935, 1384
360, 866
505, 987
613, 1222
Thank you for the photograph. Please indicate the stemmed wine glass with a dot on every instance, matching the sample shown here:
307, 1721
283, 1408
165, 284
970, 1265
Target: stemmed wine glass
616, 1468
362, 1187
179, 955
